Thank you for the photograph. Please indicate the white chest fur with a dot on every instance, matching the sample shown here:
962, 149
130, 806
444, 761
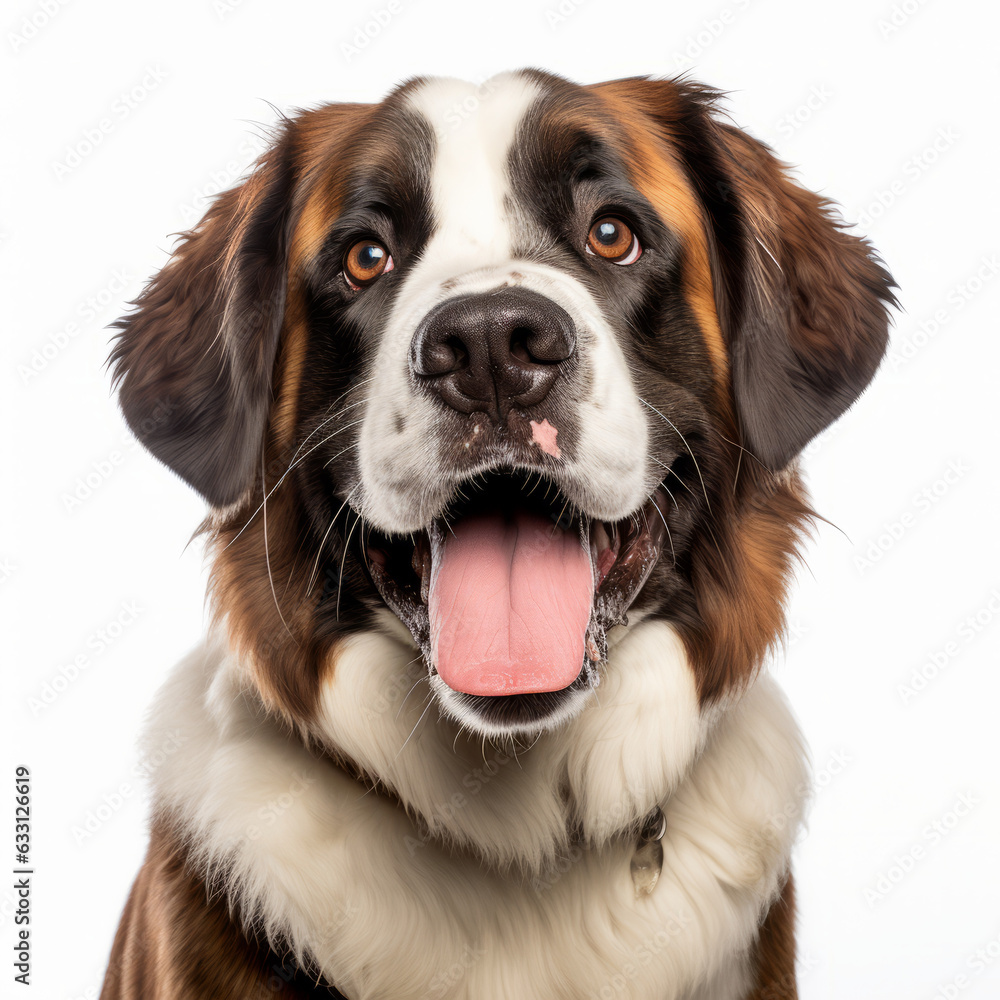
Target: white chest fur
476, 890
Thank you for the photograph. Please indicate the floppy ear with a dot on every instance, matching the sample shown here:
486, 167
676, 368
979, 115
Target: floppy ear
193, 361
804, 304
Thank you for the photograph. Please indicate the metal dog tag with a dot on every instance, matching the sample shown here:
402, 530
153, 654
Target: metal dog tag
647, 862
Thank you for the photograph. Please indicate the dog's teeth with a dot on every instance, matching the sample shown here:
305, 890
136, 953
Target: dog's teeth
603, 550
599, 536
425, 577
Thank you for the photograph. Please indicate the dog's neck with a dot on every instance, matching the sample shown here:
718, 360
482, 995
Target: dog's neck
484, 846
592, 780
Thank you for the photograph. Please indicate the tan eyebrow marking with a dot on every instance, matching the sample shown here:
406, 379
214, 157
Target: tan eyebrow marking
656, 173
322, 136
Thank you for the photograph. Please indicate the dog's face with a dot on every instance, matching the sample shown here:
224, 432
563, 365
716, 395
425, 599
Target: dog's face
512, 362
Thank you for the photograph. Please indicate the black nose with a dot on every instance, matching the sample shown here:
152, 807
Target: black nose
491, 351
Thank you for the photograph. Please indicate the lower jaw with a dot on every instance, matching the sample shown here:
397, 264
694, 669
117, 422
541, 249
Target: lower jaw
513, 715
635, 542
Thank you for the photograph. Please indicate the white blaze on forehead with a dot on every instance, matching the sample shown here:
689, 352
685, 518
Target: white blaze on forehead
404, 482
475, 128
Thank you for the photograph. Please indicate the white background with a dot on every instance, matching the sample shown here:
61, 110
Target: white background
901, 130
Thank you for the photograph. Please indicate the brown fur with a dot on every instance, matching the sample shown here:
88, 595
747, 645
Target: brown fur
265, 587
740, 573
803, 303
656, 172
176, 940
817, 317
257, 589
773, 957
792, 312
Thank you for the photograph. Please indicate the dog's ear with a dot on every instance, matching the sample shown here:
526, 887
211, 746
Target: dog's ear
193, 361
803, 303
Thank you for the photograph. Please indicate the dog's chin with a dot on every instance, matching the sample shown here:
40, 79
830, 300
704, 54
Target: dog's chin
512, 715
524, 694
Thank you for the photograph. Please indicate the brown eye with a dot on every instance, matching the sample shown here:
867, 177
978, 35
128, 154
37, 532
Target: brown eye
612, 239
364, 262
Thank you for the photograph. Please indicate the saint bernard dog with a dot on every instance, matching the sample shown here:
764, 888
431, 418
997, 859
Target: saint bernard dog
495, 395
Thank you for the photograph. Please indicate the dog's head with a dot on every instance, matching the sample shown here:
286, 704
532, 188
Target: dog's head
513, 361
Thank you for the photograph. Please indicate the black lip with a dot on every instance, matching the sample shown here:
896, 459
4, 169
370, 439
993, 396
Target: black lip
517, 713
399, 569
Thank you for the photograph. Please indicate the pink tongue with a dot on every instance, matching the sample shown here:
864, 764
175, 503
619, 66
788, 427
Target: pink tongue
509, 605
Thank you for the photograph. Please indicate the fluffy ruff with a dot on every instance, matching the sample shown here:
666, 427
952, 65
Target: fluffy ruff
505, 876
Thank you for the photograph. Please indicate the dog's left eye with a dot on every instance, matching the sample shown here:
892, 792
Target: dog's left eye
366, 261
613, 240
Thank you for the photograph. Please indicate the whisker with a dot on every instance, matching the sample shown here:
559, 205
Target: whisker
670, 469
686, 445
743, 449
343, 559
708, 526
670, 537
673, 499
412, 688
267, 551
538, 736
364, 547
430, 701
284, 475
322, 544
341, 452
559, 518
323, 423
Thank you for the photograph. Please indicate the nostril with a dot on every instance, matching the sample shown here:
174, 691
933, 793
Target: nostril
540, 345
441, 356
459, 353
550, 343
519, 349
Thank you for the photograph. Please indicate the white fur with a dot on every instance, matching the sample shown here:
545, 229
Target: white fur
476, 890
401, 487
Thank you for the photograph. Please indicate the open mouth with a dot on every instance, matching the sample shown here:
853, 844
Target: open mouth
510, 593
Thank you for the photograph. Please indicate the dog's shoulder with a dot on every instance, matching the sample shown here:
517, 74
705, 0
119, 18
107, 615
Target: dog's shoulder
177, 938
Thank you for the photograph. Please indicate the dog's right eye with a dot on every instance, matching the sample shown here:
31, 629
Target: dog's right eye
366, 261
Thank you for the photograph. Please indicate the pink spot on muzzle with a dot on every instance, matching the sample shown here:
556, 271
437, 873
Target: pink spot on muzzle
544, 435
